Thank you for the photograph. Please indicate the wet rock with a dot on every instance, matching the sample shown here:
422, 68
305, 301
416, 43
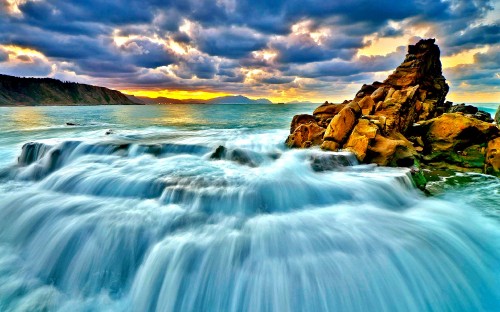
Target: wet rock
31, 152
219, 153
241, 156
72, 124
328, 162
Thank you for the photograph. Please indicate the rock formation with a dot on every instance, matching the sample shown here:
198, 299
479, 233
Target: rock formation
405, 121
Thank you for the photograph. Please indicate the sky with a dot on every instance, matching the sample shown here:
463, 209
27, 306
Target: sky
306, 50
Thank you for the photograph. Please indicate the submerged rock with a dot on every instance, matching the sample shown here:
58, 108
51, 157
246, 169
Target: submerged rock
404, 121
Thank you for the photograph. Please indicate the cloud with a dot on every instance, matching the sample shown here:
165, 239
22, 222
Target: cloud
294, 46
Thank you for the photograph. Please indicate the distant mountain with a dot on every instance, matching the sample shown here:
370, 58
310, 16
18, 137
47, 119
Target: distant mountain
237, 99
47, 91
232, 99
165, 100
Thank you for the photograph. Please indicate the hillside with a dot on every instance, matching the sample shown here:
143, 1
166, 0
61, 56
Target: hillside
47, 91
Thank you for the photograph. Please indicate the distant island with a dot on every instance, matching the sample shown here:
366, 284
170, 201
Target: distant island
230, 99
16, 91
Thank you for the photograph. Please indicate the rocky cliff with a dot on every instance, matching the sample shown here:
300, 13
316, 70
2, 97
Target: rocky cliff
46, 91
405, 121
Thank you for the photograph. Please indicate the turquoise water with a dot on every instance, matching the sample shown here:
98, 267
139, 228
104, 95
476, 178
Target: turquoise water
488, 107
129, 211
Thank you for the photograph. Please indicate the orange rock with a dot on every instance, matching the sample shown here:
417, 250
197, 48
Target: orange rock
306, 135
367, 105
330, 146
394, 151
300, 120
328, 110
492, 165
454, 132
378, 94
361, 137
342, 124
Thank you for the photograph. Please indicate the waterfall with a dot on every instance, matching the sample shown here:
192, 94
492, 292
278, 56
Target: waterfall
126, 224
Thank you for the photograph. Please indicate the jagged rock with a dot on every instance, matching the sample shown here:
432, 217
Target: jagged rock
342, 124
299, 120
306, 135
409, 103
361, 138
492, 165
400, 109
497, 116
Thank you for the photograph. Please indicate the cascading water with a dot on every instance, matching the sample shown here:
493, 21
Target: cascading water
156, 220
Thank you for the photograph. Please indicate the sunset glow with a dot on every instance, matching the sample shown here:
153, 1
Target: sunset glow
313, 52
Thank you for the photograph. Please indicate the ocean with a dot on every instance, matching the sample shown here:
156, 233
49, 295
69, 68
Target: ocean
138, 208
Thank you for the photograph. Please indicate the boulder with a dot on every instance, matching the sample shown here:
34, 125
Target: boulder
492, 162
326, 112
301, 119
455, 132
367, 105
394, 151
361, 138
484, 116
342, 124
306, 135
462, 108
457, 140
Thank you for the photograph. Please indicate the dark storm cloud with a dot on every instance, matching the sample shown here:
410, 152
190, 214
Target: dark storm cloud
230, 43
225, 33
